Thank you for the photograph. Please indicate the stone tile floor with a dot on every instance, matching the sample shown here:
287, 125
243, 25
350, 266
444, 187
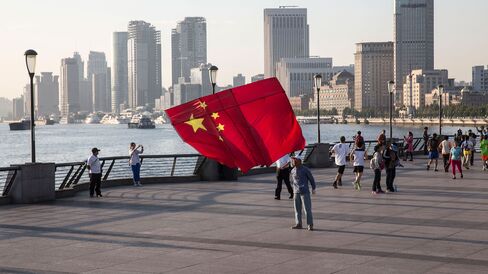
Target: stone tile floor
432, 225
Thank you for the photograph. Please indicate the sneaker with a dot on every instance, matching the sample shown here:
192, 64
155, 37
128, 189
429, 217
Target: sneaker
339, 183
290, 197
334, 185
139, 184
428, 167
380, 192
461, 175
359, 186
454, 177
436, 170
310, 228
277, 198
297, 227
374, 192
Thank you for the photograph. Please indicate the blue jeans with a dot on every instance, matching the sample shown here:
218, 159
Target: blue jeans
303, 199
136, 172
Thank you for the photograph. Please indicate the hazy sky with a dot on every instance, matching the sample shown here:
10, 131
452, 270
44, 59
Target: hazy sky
57, 28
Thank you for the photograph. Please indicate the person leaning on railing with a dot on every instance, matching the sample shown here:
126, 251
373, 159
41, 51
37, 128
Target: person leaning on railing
135, 162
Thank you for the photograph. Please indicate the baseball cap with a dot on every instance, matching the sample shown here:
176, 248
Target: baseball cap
95, 150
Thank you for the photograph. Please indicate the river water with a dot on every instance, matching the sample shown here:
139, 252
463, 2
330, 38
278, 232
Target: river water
72, 143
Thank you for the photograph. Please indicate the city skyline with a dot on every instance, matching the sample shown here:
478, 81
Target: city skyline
234, 54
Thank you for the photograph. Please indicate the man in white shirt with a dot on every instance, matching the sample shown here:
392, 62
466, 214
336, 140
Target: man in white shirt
283, 167
340, 151
95, 172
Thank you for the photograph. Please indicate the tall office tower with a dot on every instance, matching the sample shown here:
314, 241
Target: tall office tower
81, 65
46, 94
69, 87
18, 108
421, 82
188, 47
480, 78
373, 69
414, 40
285, 36
200, 76
27, 99
97, 74
239, 80
144, 64
119, 71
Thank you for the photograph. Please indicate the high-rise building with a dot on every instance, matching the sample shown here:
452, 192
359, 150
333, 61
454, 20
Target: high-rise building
69, 87
373, 69
336, 94
18, 108
119, 69
480, 78
185, 91
46, 94
188, 47
286, 35
144, 64
86, 95
420, 82
239, 80
81, 65
257, 77
200, 76
414, 40
99, 76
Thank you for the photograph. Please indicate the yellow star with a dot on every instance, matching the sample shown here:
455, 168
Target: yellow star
215, 115
203, 105
220, 127
196, 123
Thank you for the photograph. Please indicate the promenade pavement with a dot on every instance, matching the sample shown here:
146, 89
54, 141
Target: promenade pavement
432, 225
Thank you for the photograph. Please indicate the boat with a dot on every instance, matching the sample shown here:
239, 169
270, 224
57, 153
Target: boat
144, 123
23, 124
160, 120
92, 118
45, 122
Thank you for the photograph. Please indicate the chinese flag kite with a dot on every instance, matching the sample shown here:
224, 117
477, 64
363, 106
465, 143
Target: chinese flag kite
241, 127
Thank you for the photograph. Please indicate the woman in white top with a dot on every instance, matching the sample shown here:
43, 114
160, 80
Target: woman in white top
357, 157
135, 162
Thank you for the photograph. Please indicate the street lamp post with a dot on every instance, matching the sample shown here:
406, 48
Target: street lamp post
441, 91
30, 62
391, 85
213, 76
318, 82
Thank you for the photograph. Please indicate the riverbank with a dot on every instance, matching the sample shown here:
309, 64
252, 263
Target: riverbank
418, 121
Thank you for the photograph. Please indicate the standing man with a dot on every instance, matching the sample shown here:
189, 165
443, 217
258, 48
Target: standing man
95, 168
467, 147
433, 146
340, 151
426, 140
283, 174
472, 138
445, 148
300, 176
390, 157
382, 138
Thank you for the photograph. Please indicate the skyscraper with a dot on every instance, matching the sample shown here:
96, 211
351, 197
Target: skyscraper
480, 78
239, 80
200, 76
46, 94
69, 87
414, 40
99, 76
188, 47
119, 69
144, 63
285, 35
373, 69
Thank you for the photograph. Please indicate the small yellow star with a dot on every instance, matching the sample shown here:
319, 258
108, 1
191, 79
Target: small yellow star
215, 115
196, 123
203, 105
220, 127
221, 139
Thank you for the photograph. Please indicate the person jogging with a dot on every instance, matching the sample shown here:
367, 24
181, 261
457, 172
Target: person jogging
340, 151
357, 157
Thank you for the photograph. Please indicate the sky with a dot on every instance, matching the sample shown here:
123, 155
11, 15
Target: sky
57, 28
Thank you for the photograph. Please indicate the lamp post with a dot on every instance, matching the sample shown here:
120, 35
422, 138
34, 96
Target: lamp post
30, 62
391, 85
318, 82
213, 76
441, 91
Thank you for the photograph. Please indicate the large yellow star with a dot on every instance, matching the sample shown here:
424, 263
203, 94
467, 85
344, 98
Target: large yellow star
203, 105
215, 115
196, 123
220, 127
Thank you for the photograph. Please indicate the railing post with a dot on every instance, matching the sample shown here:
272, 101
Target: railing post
173, 167
108, 170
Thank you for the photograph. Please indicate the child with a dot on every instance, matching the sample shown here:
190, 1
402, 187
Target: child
377, 165
358, 156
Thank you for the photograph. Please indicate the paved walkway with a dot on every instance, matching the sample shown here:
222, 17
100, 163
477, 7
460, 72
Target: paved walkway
433, 225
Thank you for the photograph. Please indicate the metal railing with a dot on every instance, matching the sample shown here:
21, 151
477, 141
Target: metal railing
7, 177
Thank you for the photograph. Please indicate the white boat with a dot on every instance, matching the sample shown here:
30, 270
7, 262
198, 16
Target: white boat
136, 118
92, 118
160, 120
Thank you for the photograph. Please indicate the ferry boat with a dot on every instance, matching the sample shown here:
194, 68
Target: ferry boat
92, 118
144, 123
45, 121
160, 120
23, 124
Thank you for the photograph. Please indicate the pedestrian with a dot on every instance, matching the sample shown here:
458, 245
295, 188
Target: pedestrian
472, 138
135, 162
390, 156
301, 176
456, 153
445, 148
358, 156
433, 147
382, 138
484, 151
467, 147
409, 146
459, 132
95, 172
283, 168
340, 151
377, 164
358, 140
426, 140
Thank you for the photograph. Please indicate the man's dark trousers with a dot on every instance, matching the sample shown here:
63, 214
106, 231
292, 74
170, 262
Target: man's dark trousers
95, 182
283, 175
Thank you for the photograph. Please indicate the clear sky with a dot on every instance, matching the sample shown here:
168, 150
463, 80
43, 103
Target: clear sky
57, 28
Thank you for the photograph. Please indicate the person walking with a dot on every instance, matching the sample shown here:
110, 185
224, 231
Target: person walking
340, 151
95, 172
456, 153
433, 147
357, 157
409, 146
390, 156
426, 140
467, 147
472, 138
358, 139
377, 164
301, 176
382, 138
283, 167
484, 151
135, 162
445, 148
